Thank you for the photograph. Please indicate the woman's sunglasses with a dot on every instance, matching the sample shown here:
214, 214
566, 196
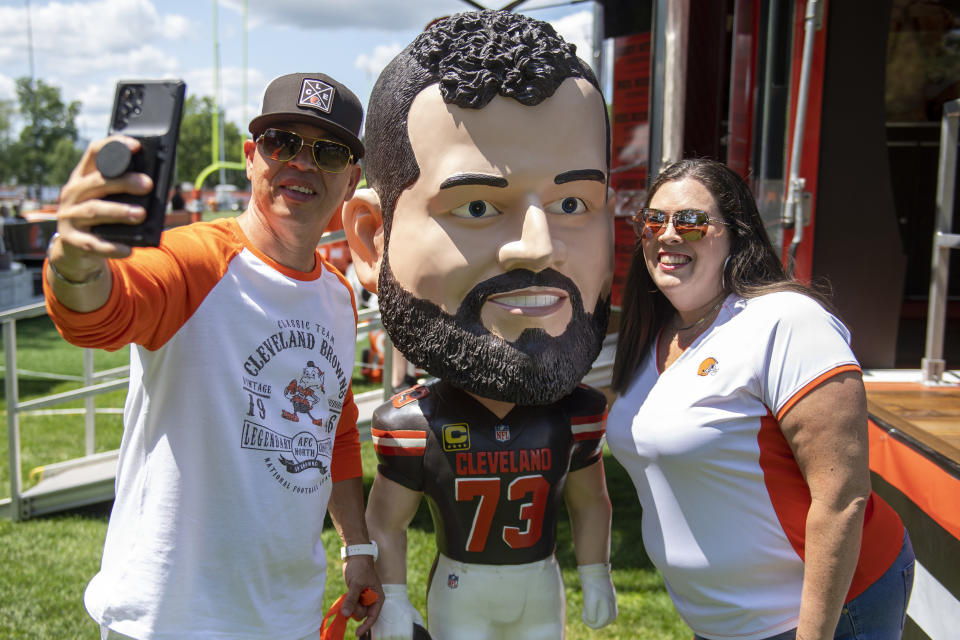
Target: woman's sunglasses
283, 146
690, 224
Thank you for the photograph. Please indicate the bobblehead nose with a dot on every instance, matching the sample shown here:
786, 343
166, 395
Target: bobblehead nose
535, 248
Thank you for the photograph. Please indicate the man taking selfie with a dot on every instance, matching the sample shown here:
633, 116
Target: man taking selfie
240, 425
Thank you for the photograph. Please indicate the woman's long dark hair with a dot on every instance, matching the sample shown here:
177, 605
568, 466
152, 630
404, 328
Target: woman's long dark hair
754, 268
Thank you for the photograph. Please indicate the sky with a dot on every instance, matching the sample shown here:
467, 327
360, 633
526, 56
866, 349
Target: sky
85, 46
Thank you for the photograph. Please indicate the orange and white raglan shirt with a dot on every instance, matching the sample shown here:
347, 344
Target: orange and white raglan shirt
724, 502
238, 420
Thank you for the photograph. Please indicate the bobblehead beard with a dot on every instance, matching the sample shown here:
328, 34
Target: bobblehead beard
535, 369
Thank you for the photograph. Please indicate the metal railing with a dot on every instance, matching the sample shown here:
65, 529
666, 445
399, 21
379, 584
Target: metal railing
22, 504
932, 365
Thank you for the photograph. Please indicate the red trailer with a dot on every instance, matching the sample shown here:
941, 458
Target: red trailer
833, 111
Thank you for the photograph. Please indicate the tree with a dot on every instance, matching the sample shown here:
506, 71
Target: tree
7, 109
194, 146
66, 155
49, 122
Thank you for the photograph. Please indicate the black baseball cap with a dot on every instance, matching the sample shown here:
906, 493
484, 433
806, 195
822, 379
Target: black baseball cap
312, 98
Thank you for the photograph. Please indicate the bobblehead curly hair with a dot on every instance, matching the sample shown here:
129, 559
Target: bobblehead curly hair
478, 56
473, 57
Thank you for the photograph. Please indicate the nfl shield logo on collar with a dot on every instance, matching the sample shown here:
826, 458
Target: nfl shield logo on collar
501, 432
316, 94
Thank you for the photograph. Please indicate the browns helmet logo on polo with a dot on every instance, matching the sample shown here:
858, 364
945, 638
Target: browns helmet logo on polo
316, 94
708, 367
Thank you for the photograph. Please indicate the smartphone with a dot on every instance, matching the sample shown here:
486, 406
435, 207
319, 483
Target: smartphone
150, 111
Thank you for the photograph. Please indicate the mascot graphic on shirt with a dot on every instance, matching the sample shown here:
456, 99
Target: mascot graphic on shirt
304, 394
507, 310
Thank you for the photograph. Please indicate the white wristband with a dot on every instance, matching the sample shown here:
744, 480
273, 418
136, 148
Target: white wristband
360, 550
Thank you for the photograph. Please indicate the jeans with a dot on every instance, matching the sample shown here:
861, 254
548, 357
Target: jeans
879, 612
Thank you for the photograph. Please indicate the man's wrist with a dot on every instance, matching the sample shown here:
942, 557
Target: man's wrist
369, 549
70, 279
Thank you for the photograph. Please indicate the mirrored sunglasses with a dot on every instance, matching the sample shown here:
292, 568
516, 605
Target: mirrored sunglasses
689, 224
283, 146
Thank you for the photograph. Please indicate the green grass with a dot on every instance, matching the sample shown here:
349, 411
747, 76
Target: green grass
47, 561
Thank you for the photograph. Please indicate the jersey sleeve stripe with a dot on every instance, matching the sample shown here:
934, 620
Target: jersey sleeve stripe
588, 432
399, 443
588, 427
396, 449
812, 385
399, 433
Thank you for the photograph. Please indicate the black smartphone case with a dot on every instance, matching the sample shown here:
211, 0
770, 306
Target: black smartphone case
149, 110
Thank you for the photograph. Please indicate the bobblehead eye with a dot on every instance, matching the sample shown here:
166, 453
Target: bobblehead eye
476, 209
567, 206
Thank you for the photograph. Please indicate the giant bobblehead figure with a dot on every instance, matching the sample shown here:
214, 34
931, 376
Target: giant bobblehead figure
487, 237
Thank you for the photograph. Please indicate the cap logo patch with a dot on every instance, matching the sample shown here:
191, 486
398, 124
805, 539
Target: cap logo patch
316, 94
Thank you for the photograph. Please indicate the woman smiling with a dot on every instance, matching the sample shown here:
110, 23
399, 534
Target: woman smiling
742, 422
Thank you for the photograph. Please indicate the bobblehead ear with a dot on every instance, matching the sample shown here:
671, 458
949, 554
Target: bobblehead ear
363, 225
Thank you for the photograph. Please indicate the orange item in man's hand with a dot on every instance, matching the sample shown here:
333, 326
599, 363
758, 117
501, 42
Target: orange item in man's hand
338, 625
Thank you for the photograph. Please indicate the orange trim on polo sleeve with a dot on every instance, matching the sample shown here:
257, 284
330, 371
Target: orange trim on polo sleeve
812, 385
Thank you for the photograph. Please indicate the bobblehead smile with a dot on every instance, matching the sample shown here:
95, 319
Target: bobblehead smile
531, 302
520, 291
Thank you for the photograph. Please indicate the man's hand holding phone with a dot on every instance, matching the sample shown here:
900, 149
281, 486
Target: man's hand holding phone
149, 111
78, 271
116, 196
